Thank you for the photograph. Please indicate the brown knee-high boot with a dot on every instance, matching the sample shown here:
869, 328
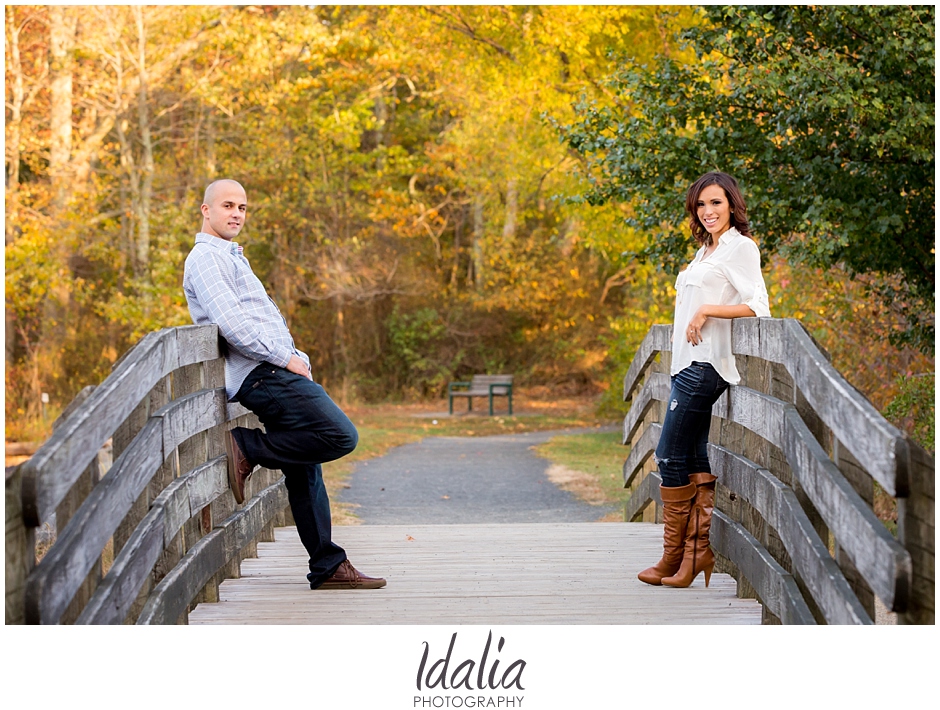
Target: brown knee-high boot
677, 503
697, 555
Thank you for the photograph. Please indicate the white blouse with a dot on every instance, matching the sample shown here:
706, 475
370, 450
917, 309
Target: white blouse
728, 276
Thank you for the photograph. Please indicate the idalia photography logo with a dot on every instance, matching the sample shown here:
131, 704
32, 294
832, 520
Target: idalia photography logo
479, 681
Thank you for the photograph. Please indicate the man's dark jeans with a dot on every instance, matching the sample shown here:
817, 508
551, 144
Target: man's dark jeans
683, 442
303, 429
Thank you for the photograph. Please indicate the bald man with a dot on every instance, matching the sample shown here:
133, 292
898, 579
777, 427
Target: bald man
266, 373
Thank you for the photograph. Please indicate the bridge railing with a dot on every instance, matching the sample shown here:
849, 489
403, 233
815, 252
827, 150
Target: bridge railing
144, 539
800, 457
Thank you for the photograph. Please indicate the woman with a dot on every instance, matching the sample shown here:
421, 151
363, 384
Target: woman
723, 281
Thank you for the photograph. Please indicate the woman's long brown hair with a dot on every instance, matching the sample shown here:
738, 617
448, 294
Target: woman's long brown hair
735, 200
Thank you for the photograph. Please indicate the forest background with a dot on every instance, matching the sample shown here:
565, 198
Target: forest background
441, 191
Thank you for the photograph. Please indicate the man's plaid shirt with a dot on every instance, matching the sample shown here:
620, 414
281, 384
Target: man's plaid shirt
221, 289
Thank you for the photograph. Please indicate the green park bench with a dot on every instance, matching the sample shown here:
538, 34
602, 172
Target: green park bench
481, 386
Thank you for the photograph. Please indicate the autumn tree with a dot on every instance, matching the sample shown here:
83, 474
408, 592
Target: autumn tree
87, 113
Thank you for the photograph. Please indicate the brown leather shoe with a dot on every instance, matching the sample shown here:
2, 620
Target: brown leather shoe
239, 467
348, 577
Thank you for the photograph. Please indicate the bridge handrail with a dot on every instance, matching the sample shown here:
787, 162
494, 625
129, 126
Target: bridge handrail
899, 571
53, 469
164, 501
850, 416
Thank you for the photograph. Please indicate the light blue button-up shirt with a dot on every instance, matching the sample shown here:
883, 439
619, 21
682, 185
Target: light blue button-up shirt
221, 289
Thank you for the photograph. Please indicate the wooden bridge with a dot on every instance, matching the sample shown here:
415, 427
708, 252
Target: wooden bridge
156, 538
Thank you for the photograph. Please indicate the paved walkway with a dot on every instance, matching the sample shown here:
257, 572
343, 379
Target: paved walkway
448, 479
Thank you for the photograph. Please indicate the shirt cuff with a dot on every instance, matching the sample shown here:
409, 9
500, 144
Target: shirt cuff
759, 305
281, 357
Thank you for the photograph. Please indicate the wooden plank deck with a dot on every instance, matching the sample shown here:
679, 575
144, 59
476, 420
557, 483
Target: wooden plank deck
571, 573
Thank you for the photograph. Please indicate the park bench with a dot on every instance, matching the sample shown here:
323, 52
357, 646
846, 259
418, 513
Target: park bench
481, 386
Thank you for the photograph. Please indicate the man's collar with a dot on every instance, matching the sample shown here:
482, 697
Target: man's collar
217, 242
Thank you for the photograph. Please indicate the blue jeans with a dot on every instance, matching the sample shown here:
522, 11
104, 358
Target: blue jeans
303, 429
683, 442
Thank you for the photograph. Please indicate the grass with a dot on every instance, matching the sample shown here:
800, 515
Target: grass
30, 426
590, 466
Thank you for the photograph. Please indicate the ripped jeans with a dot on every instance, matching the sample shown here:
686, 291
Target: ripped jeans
683, 442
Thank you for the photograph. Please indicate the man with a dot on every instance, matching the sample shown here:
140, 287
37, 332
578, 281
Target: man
266, 373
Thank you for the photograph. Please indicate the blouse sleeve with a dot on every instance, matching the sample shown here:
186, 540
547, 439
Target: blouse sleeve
743, 271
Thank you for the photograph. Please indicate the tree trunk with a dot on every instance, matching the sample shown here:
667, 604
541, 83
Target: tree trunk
569, 239
282, 275
477, 263
458, 229
130, 194
142, 246
512, 210
210, 146
62, 26
381, 120
57, 304
15, 69
341, 345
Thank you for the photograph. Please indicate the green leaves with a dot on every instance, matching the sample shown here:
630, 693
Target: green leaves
824, 115
913, 409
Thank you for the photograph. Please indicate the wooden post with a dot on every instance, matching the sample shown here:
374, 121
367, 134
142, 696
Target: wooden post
917, 532
192, 453
64, 512
20, 545
857, 477
66, 509
122, 438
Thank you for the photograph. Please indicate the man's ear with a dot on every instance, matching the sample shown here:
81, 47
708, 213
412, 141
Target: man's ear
204, 209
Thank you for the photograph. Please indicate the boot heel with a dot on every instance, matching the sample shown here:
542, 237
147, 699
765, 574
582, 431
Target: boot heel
708, 573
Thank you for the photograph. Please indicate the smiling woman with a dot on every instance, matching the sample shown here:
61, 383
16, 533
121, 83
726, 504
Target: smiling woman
713, 211
723, 281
